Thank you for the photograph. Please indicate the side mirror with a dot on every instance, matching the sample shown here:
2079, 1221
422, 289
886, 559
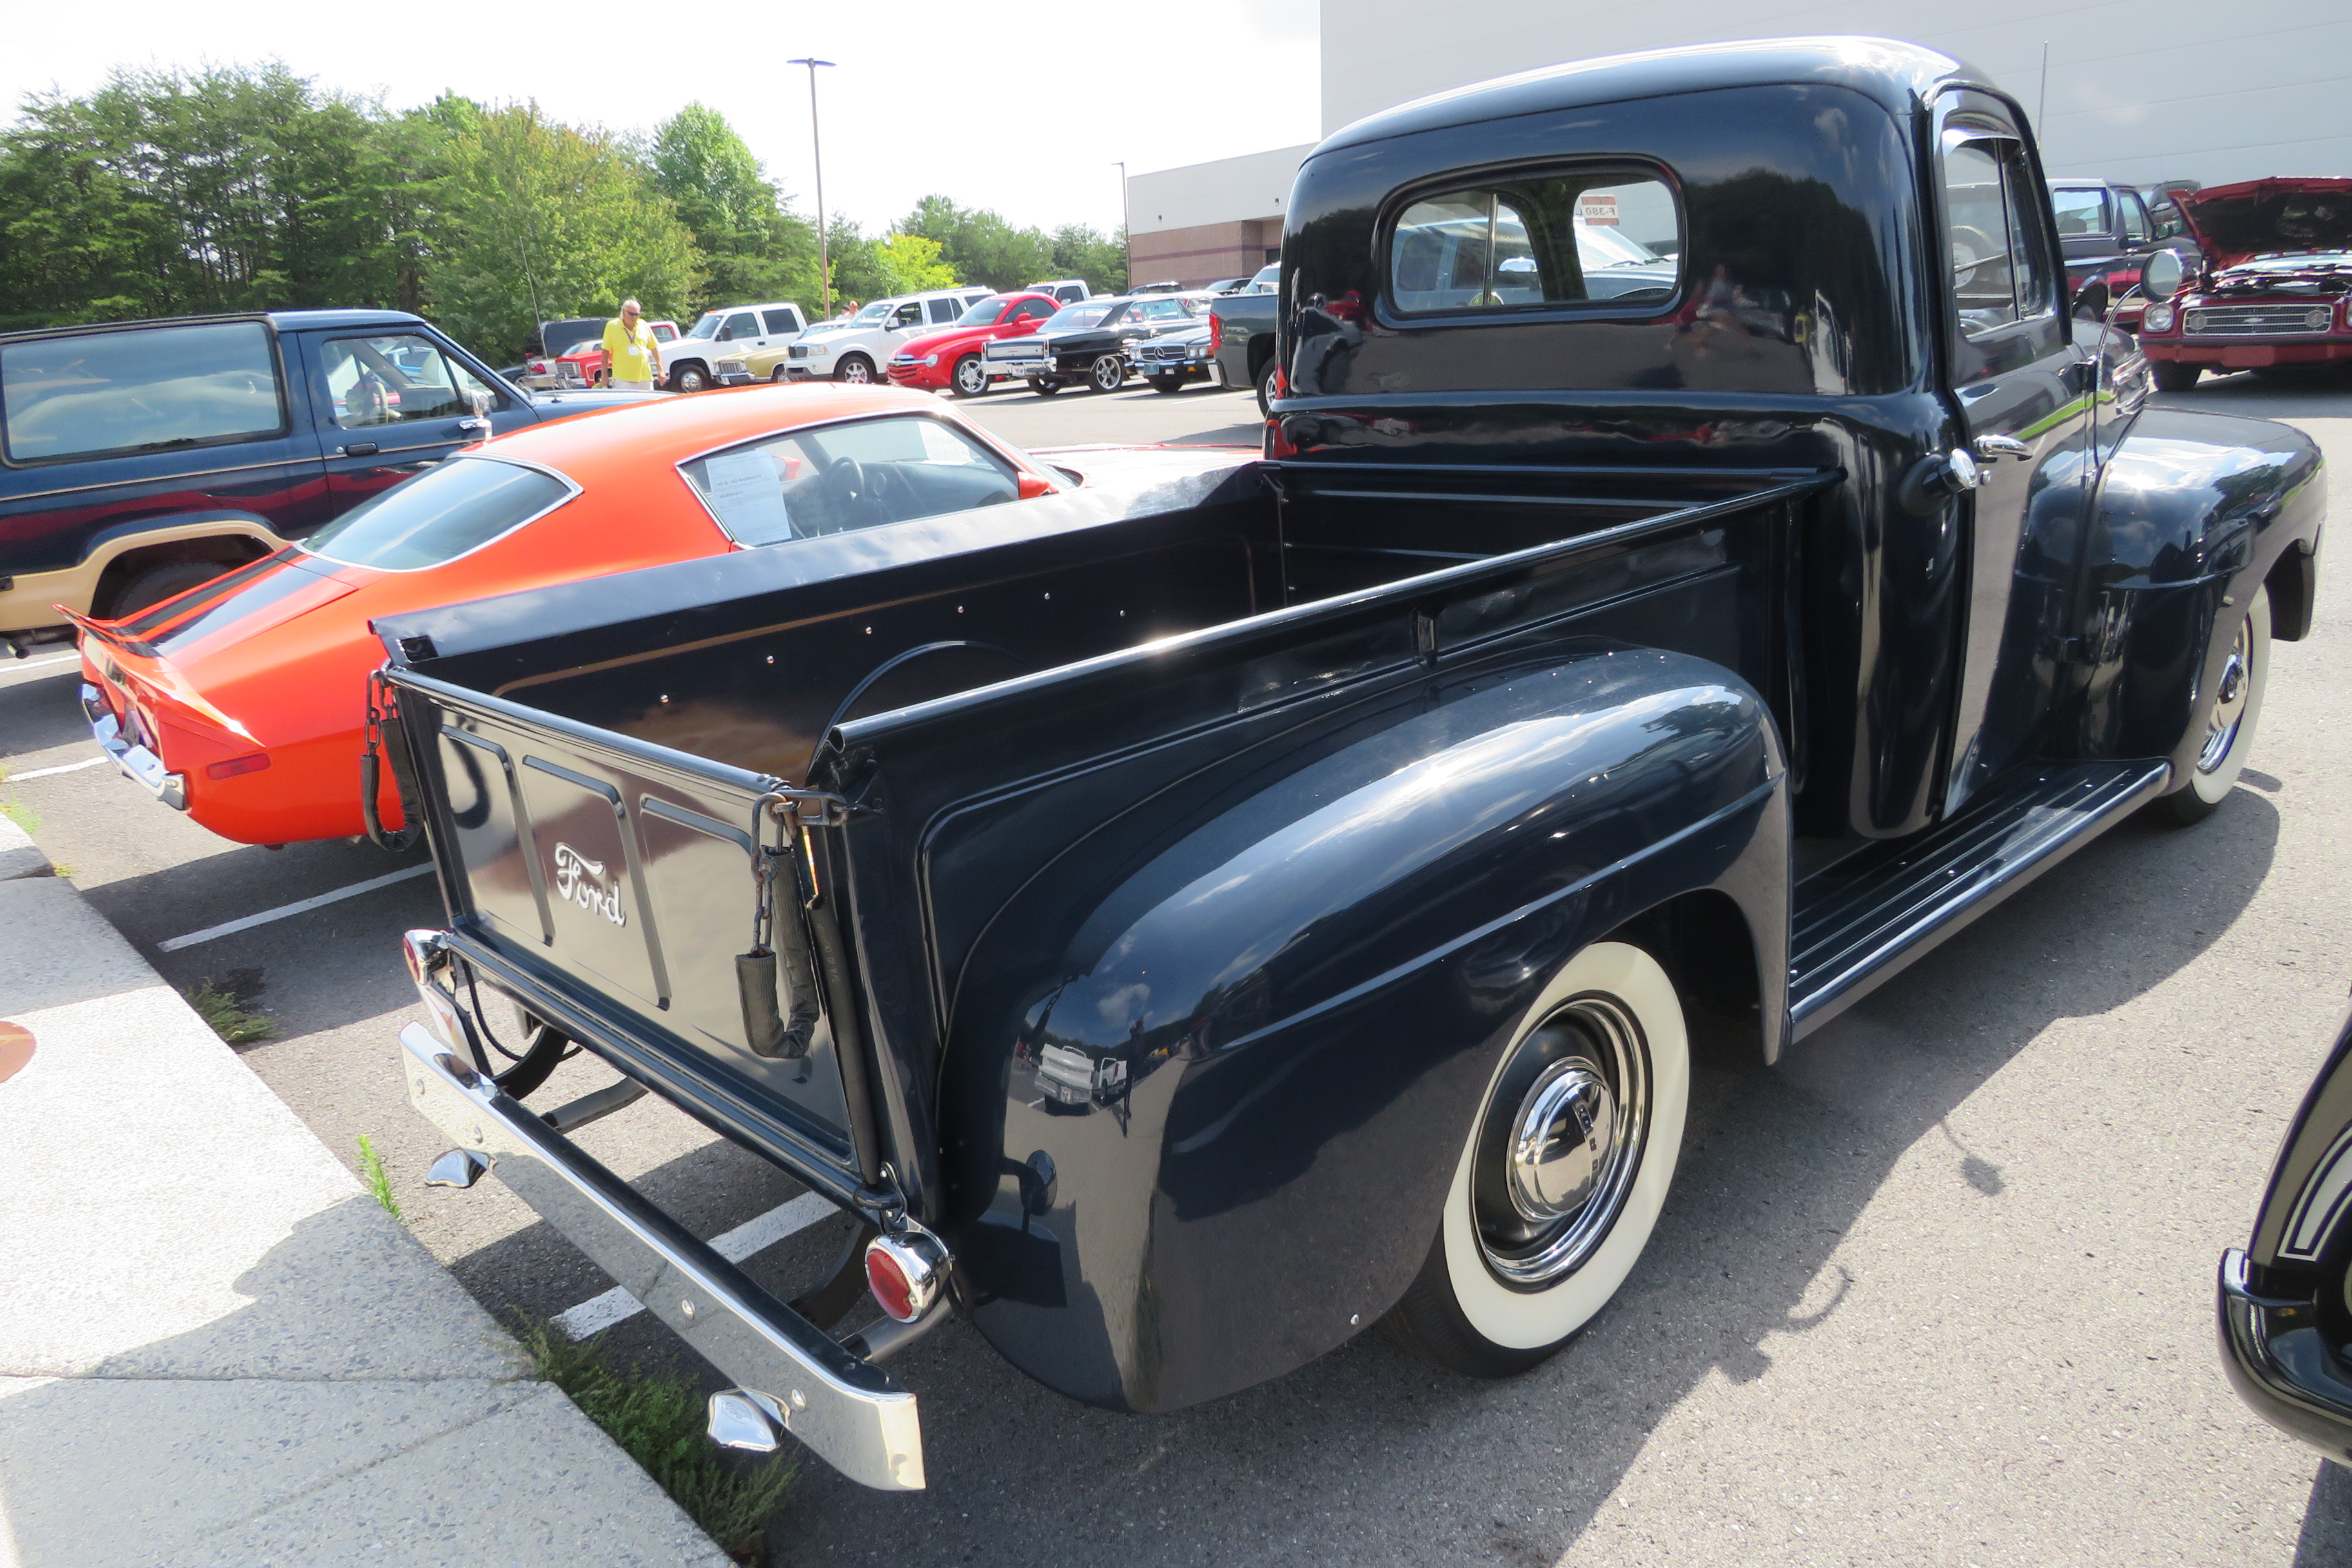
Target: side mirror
1029, 487
2162, 274
482, 401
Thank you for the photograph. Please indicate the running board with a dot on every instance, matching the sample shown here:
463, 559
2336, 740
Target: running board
1863, 921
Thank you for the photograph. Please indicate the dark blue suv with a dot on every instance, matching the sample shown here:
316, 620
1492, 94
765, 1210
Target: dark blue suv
141, 459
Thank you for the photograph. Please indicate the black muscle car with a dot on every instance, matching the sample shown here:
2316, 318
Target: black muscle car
1089, 341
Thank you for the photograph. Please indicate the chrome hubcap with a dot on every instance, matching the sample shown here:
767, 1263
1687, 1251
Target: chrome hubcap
2229, 700
1561, 1143
971, 377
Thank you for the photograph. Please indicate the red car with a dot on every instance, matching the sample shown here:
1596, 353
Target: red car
951, 357
587, 364
2273, 288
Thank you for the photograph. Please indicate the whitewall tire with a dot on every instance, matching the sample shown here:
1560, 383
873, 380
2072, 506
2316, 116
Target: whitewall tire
1564, 1172
2230, 719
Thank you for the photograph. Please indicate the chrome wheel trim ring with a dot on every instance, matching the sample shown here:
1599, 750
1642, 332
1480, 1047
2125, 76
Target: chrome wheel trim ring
1563, 1201
2230, 696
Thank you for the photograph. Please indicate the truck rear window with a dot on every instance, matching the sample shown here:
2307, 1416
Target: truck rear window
1567, 239
439, 515
154, 389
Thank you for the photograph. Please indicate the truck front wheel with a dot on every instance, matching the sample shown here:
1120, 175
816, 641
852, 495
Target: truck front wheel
2172, 376
1565, 1171
2229, 721
690, 377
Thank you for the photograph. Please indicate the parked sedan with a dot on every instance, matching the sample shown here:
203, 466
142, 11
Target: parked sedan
2272, 289
1175, 360
251, 690
2285, 1320
1089, 343
952, 358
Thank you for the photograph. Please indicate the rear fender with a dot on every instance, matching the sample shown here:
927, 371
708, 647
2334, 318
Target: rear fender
1202, 1093
2195, 514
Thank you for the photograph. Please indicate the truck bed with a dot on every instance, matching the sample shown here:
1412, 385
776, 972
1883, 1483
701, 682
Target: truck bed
985, 691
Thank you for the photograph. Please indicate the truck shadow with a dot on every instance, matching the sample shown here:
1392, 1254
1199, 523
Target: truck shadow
1370, 1457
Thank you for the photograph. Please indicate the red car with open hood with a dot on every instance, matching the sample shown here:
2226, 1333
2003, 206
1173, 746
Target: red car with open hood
2273, 288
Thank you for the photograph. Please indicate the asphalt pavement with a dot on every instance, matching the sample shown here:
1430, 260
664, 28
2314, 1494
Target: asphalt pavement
1937, 1290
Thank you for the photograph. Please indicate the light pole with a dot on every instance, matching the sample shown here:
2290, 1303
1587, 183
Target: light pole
816, 146
1126, 223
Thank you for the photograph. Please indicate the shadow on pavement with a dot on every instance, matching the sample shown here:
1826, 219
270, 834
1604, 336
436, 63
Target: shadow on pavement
2326, 1537
2309, 395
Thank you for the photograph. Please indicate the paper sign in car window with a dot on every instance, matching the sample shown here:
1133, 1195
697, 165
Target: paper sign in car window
748, 498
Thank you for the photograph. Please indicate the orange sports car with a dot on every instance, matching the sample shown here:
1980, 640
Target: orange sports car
243, 702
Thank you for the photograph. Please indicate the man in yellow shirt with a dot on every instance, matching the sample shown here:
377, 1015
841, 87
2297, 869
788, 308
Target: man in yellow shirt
629, 344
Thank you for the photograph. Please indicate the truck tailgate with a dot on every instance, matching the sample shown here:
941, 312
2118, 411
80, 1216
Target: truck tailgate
609, 884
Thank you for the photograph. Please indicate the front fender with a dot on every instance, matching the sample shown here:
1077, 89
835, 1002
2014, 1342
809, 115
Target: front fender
1207, 1142
2194, 514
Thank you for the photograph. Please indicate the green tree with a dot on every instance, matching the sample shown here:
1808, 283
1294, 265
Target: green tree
910, 264
980, 244
543, 220
753, 244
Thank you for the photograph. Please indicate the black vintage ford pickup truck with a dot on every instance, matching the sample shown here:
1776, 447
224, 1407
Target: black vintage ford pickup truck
1221, 908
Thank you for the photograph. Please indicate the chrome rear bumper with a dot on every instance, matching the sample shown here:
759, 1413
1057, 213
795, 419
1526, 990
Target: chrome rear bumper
137, 764
846, 1410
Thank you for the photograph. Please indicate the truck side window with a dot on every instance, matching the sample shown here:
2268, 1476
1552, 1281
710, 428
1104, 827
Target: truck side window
944, 312
778, 322
1583, 239
147, 390
837, 478
395, 378
1999, 268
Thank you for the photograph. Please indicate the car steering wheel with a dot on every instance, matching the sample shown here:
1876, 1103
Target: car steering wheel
842, 485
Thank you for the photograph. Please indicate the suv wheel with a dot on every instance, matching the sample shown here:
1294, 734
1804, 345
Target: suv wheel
158, 583
970, 376
690, 377
1107, 372
856, 369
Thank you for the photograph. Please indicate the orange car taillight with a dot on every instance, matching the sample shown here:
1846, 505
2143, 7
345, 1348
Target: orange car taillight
235, 765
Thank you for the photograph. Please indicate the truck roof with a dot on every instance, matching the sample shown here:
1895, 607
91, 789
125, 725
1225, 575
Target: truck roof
1896, 74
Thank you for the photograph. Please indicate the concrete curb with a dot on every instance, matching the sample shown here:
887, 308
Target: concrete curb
19, 856
214, 1348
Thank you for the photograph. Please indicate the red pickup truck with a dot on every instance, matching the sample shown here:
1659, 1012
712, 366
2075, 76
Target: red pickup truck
950, 356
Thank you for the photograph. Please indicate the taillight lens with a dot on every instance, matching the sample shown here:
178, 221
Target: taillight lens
1216, 330
904, 1269
235, 765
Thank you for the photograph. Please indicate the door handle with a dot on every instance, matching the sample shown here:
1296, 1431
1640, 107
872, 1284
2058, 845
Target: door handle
1993, 447
357, 450
473, 423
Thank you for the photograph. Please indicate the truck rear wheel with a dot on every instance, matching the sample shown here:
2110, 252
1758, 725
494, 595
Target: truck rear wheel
2229, 721
1564, 1173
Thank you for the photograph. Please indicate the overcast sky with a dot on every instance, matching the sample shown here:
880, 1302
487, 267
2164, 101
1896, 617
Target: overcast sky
1018, 107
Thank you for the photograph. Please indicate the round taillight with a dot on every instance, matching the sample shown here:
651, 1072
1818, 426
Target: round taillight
904, 1270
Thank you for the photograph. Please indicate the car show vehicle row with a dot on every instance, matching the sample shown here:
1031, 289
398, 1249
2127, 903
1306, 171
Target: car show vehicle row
856, 350
2270, 289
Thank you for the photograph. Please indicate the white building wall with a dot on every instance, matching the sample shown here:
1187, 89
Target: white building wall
2138, 89
1254, 185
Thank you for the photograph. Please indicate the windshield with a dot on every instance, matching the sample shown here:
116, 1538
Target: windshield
2081, 211
983, 315
876, 312
1070, 318
707, 325
1598, 247
439, 515
1267, 276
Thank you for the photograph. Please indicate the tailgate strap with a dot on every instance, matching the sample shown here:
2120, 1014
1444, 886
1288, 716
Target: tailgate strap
766, 1027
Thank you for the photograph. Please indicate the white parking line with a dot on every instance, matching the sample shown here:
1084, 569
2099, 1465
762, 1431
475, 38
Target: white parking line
616, 1305
52, 772
37, 663
300, 906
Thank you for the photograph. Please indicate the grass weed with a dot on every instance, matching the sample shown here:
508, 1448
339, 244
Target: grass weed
661, 1420
379, 1182
229, 1018
23, 815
